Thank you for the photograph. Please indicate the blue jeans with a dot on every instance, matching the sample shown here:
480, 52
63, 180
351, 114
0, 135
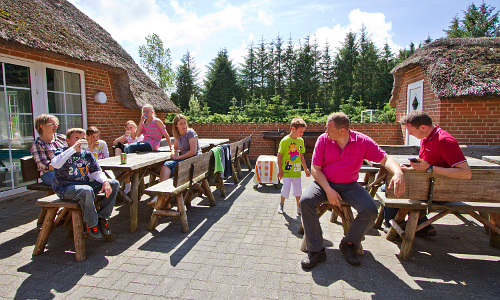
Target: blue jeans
85, 194
171, 165
47, 177
138, 147
352, 193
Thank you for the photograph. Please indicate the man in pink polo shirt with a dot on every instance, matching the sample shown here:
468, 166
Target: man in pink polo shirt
337, 159
439, 154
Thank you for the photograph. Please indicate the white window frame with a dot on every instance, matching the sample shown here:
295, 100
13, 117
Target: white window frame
39, 97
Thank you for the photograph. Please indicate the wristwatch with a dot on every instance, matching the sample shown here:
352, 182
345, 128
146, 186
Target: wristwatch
429, 169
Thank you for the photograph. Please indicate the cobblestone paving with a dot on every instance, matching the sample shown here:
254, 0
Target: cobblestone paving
239, 249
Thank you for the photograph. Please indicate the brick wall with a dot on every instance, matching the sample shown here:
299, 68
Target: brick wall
110, 117
382, 133
472, 122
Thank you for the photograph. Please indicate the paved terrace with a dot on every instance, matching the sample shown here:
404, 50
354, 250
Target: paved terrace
240, 249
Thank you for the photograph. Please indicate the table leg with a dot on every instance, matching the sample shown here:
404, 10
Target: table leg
400, 217
411, 226
134, 205
495, 237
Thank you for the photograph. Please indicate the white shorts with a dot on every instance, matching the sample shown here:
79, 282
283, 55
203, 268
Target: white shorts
294, 182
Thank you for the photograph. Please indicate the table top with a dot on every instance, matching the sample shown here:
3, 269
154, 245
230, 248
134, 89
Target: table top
144, 159
492, 159
474, 163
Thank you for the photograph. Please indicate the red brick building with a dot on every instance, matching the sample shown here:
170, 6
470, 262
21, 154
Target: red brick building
54, 59
456, 81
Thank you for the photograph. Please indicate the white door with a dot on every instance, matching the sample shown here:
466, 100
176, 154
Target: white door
414, 99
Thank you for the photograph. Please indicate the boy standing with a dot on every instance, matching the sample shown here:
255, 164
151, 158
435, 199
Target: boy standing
290, 161
79, 177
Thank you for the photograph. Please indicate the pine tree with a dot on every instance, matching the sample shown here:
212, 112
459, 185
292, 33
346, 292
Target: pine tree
479, 21
186, 81
344, 66
221, 84
385, 79
304, 75
279, 72
289, 62
366, 70
327, 78
249, 72
262, 68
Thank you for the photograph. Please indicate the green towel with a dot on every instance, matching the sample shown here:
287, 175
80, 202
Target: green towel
218, 159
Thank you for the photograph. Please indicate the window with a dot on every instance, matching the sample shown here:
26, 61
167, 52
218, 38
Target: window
16, 122
65, 98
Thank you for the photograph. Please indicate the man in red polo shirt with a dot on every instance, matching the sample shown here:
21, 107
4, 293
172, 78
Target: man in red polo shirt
439, 154
337, 159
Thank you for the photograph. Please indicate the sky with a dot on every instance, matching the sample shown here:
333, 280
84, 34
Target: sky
204, 27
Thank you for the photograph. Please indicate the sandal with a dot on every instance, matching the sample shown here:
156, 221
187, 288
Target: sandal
426, 231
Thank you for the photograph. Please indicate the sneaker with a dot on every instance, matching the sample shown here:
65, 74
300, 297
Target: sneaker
313, 258
299, 212
280, 208
350, 253
94, 232
103, 227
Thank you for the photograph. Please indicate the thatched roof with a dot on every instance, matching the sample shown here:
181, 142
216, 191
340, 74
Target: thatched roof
456, 68
57, 28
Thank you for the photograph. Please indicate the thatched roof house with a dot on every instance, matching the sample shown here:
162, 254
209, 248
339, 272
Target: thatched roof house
57, 28
457, 81
456, 68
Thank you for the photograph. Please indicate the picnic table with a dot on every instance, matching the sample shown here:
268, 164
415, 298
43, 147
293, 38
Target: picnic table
492, 159
139, 165
474, 163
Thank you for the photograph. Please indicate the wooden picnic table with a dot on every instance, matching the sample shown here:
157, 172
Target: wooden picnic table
474, 163
492, 159
139, 165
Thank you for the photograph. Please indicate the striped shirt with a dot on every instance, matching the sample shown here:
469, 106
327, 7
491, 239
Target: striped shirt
152, 133
42, 152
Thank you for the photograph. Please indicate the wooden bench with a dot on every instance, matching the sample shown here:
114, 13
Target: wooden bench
69, 213
245, 152
30, 172
480, 193
188, 174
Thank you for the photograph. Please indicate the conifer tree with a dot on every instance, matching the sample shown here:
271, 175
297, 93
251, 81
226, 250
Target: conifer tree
366, 71
221, 83
186, 81
344, 66
479, 21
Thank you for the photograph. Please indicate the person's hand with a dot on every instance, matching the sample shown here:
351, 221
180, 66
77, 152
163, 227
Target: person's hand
333, 197
280, 174
77, 146
404, 167
143, 118
421, 166
106, 188
308, 174
398, 182
174, 156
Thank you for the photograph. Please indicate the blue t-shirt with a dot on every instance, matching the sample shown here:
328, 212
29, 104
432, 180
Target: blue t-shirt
75, 170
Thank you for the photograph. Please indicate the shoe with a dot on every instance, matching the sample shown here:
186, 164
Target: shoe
280, 209
103, 227
128, 187
427, 231
350, 253
313, 258
94, 232
299, 212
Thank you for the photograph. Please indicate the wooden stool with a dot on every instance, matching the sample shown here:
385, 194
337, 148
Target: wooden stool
345, 214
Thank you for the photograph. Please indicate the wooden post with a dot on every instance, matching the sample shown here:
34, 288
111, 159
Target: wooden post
43, 236
400, 217
182, 211
208, 191
411, 226
78, 235
134, 205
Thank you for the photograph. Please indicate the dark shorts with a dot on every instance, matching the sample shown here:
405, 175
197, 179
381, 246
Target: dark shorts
171, 165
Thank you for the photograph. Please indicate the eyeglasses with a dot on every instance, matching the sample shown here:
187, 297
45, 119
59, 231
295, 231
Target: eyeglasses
51, 124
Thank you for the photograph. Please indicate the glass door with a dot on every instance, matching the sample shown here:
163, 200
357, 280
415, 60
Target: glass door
16, 122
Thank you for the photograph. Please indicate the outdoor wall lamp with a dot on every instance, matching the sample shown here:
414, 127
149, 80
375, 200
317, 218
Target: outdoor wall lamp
100, 97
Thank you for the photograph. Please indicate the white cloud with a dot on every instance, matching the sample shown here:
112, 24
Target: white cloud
251, 38
375, 24
129, 21
264, 18
237, 55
